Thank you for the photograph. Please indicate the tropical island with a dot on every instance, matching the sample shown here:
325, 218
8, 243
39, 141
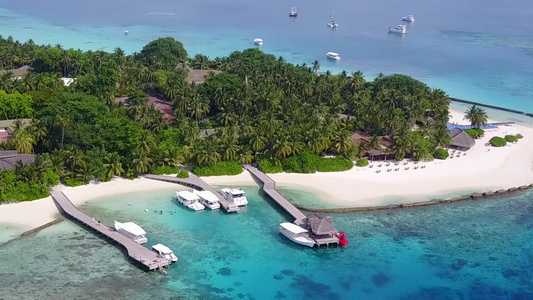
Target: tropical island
92, 117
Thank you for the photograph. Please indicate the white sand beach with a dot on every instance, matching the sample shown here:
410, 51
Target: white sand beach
479, 170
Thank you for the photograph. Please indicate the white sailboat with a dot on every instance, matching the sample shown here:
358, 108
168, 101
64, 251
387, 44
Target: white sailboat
333, 24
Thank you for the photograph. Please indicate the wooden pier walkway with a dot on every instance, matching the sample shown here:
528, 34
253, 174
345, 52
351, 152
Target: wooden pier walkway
147, 258
197, 183
269, 187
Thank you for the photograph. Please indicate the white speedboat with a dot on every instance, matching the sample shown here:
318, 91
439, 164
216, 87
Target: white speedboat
296, 234
402, 29
258, 42
333, 55
131, 231
189, 200
126, 32
208, 199
293, 12
165, 252
235, 196
409, 18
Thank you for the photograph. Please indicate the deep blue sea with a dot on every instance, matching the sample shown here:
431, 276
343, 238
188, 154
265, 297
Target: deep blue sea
471, 250
480, 50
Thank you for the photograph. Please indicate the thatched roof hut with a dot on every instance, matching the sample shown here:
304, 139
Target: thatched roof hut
461, 140
319, 225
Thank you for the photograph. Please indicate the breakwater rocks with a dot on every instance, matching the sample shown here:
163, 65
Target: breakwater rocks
492, 106
474, 196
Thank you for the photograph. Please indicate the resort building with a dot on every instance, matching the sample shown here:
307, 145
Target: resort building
9, 158
8, 126
385, 141
17, 74
461, 140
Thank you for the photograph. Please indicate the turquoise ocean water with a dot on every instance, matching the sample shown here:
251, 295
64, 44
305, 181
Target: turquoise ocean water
480, 50
470, 250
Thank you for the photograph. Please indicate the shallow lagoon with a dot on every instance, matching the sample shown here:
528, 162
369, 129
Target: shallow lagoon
475, 250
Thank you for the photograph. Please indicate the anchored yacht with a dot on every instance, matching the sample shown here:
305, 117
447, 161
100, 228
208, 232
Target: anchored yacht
235, 196
293, 12
409, 18
333, 55
297, 234
189, 200
332, 24
165, 252
402, 29
258, 42
131, 231
207, 199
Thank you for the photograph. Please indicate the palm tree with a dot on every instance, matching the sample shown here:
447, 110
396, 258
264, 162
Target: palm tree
113, 165
476, 116
206, 153
375, 143
24, 142
147, 143
75, 158
316, 66
142, 163
62, 121
38, 131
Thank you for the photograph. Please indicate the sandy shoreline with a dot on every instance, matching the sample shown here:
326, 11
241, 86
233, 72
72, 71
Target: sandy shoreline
479, 170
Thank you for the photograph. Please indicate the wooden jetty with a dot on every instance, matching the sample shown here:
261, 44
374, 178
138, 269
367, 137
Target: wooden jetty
269, 187
145, 257
197, 183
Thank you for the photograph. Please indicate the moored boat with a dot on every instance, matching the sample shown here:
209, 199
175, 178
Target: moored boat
333, 55
296, 234
208, 199
402, 29
332, 24
165, 252
258, 41
293, 12
189, 200
408, 18
235, 196
131, 231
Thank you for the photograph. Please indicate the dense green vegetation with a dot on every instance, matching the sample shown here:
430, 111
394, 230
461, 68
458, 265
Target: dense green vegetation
165, 170
260, 106
475, 132
361, 162
183, 174
30, 182
269, 166
498, 141
220, 168
511, 138
305, 162
15, 106
441, 153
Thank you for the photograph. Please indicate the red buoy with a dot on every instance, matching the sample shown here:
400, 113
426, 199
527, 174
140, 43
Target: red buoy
342, 239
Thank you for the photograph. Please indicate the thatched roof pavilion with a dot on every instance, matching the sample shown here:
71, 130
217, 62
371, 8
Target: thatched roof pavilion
461, 140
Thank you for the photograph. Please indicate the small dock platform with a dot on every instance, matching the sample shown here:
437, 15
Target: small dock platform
195, 182
269, 187
142, 255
